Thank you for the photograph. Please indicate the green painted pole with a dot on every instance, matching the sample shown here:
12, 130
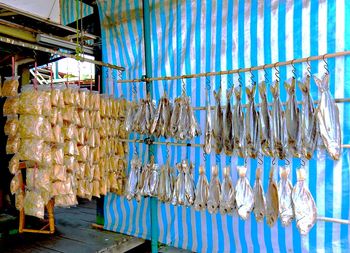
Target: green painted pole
149, 90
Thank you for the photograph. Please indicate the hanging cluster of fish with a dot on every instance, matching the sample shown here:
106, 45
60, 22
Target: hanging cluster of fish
167, 120
277, 132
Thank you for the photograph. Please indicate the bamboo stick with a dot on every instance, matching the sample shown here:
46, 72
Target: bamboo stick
334, 220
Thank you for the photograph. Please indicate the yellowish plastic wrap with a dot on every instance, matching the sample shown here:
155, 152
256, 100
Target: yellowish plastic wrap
120, 149
88, 120
76, 119
81, 135
10, 87
69, 96
57, 134
103, 148
80, 173
95, 119
69, 162
91, 138
34, 204
123, 103
95, 100
66, 200
57, 97
45, 94
89, 172
68, 113
88, 190
62, 187
96, 188
39, 179
11, 106
71, 148
103, 106
83, 94
96, 154
58, 173
103, 186
13, 145
103, 129
97, 172
110, 106
46, 131
54, 115
88, 101
31, 150
81, 189
19, 200
112, 179
31, 101
46, 156
70, 132
31, 126
11, 125
84, 152
14, 165
115, 108
16, 182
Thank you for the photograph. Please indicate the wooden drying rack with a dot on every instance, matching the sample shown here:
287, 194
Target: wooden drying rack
48, 228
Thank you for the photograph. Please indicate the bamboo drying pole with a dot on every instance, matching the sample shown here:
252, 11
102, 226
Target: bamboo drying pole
242, 70
51, 51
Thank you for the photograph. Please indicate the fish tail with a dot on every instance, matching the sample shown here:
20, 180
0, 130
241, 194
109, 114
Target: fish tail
229, 94
262, 88
275, 89
238, 92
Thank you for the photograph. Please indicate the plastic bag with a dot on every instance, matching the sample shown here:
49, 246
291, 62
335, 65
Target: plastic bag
57, 134
31, 150
54, 115
68, 113
13, 145
83, 94
69, 96
103, 105
70, 132
14, 164
88, 190
66, 200
31, 126
10, 86
214, 191
46, 156
46, 131
70, 163
38, 179
71, 148
45, 96
58, 173
62, 187
95, 119
227, 197
103, 186
89, 172
30, 101
95, 154
96, 188
19, 200
57, 154
80, 173
11, 106
11, 125
285, 188
57, 96
76, 119
16, 182
95, 100
259, 198
83, 153
34, 204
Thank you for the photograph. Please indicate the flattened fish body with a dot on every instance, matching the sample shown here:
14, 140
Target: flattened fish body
285, 188
251, 124
202, 191
218, 123
238, 124
228, 129
244, 194
214, 191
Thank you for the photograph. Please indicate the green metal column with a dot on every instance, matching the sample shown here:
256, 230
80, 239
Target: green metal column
149, 89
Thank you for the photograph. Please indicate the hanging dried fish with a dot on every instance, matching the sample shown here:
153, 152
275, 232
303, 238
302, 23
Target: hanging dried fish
244, 194
145, 178
130, 116
238, 124
292, 119
166, 116
202, 191
228, 128
149, 115
328, 119
132, 184
285, 188
272, 200
309, 131
153, 180
304, 204
166, 183
183, 122
157, 120
227, 196
278, 123
252, 124
174, 120
179, 196
189, 183
259, 198
139, 117
214, 191
208, 130
265, 122
194, 129
218, 123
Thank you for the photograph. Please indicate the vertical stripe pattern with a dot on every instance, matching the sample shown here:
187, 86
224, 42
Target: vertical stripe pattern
199, 36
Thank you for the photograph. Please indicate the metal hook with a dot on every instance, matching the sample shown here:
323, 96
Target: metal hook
277, 73
265, 74
217, 159
274, 161
167, 151
293, 69
302, 162
260, 160
183, 86
325, 64
239, 77
308, 68
245, 161
204, 157
251, 76
287, 162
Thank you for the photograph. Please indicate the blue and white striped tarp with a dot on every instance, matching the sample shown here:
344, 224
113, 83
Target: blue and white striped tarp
69, 11
200, 36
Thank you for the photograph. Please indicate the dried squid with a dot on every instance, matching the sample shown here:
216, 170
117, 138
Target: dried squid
238, 124
259, 198
252, 124
132, 183
308, 120
328, 119
265, 122
244, 194
285, 188
272, 205
166, 183
278, 123
227, 197
304, 205
218, 123
228, 129
202, 191
214, 191
292, 119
